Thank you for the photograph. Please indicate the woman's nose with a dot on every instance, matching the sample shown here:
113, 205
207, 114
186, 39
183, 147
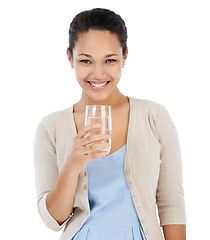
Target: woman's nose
98, 72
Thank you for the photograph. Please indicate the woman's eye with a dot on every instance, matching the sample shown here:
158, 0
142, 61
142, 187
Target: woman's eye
85, 61
110, 60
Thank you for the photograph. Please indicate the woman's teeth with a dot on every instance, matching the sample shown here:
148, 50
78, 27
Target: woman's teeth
98, 85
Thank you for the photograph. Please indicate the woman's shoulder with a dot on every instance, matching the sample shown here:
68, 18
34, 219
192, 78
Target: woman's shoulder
57, 118
145, 105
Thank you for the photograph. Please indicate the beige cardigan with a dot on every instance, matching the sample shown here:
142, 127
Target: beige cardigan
152, 167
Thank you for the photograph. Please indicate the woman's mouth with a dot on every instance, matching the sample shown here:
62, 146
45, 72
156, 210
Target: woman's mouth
98, 86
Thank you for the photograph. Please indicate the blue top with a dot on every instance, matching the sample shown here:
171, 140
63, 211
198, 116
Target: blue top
112, 212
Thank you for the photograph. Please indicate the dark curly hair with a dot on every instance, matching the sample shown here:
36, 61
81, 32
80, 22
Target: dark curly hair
99, 19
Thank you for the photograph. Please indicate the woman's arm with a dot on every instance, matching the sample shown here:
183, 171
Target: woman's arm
174, 232
60, 199
170, 193
55, 192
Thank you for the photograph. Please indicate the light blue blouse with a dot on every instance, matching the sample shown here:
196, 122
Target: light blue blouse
112, 212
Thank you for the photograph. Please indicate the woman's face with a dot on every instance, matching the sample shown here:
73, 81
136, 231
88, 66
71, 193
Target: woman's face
98, 61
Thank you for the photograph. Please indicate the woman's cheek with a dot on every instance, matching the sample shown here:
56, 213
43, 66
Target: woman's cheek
116, 72
82, 72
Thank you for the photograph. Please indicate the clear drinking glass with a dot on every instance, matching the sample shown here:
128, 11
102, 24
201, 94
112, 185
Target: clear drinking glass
99, 114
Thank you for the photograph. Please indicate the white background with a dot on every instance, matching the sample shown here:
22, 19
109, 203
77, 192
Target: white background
168, 62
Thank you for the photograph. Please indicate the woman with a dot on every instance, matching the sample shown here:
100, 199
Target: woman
108, 195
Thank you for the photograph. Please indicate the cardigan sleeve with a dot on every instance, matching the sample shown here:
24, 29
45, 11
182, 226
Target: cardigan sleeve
46, 173
170, 193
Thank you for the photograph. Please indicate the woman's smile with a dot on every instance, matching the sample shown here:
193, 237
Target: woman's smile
98, 85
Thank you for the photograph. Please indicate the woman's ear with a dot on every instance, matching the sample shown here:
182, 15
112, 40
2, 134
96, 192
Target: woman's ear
70, 58
124, 58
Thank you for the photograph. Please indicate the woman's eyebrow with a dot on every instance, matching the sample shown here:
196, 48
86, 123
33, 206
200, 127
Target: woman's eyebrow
87, 55
111, 55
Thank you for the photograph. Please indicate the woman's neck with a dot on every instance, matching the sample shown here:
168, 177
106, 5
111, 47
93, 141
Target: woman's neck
114, 101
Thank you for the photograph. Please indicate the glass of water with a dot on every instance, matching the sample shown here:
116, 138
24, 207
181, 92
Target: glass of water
99, 114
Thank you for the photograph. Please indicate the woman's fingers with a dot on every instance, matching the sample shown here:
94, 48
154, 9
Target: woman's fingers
83, 132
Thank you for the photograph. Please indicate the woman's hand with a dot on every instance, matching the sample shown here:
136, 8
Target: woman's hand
85, 148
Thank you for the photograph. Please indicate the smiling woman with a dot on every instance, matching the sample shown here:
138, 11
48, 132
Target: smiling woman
112, 197
94, 68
